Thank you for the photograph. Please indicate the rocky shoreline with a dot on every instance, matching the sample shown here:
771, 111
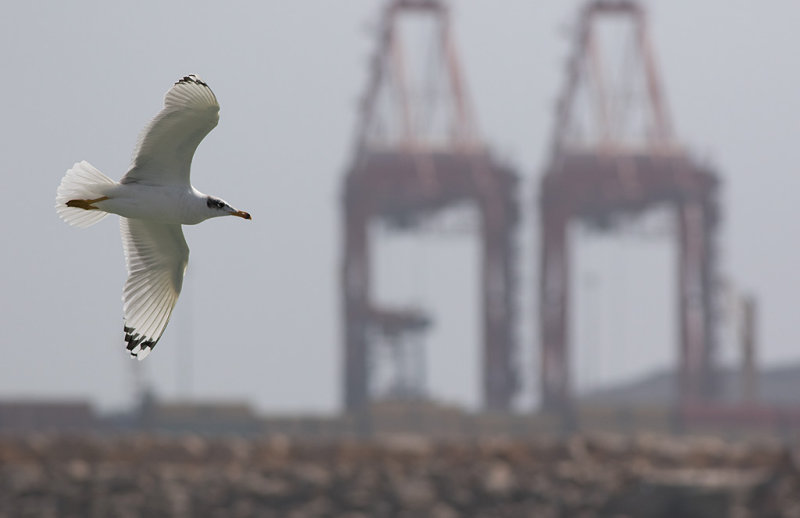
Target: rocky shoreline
585, 476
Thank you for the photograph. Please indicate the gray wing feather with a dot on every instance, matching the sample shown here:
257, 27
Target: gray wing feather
164, 152
156, 255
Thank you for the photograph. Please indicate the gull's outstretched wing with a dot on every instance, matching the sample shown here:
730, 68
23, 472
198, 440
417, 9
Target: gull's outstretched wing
163, 155
156, 255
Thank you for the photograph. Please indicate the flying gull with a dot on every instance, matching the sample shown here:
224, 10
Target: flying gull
154, 198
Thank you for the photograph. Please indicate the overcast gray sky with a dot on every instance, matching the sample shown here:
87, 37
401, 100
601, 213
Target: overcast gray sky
80, 79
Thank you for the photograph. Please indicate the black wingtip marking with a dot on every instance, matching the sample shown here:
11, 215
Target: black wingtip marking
133, 339
191, 78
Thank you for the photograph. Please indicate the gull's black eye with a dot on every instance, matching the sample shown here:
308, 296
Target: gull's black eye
220, 204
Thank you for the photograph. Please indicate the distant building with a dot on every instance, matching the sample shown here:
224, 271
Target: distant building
46, 416
208, 418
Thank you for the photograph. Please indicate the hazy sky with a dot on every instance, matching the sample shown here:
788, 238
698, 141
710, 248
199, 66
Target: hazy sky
260, 303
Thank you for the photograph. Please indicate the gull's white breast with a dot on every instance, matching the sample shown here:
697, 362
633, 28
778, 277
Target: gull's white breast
170, 204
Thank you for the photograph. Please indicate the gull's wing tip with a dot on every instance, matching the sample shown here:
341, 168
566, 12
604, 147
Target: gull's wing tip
191, 78
139, 346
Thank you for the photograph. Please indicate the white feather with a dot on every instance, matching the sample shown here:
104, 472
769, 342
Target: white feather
156, 255
163, 155
82, 182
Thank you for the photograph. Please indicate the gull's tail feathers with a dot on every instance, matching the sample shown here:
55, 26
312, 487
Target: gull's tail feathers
80, 186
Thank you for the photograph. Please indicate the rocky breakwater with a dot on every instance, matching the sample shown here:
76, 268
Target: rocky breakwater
601, 476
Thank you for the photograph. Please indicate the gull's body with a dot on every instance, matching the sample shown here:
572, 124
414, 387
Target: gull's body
154, 198
172, 204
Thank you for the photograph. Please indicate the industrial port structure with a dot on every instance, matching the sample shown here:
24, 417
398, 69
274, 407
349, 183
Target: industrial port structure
616, 160
407, 168
613, 157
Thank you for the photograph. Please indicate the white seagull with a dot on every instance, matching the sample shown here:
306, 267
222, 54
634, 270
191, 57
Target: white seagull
154, 198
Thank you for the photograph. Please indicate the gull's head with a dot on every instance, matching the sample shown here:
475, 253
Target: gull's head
220, 207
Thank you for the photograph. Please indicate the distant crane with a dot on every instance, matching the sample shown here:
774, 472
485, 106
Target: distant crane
614, 155
418, 153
